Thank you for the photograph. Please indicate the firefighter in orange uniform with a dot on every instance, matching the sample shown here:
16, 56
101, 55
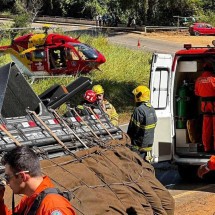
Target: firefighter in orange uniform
205, 168
205, 88
23, 175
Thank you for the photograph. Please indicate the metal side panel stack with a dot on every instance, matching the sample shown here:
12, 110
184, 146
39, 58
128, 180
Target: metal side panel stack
28, 119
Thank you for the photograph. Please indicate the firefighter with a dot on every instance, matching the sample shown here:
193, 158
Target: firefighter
90, 96
204, 87
142, 123
90, 99
106, 105
23, 175
205, 168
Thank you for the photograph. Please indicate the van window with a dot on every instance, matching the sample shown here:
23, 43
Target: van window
187, 66
160, 90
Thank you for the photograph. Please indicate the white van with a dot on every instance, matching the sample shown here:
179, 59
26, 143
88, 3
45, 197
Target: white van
178, 131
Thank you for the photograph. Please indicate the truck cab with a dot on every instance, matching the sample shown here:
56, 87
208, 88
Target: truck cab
178, 134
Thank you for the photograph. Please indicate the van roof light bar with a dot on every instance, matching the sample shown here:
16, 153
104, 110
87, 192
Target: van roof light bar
187, 46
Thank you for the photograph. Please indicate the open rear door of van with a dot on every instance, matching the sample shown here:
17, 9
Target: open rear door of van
160, 85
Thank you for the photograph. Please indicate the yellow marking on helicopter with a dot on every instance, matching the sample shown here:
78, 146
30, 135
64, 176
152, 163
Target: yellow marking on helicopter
37, 40
28, 50
20, 57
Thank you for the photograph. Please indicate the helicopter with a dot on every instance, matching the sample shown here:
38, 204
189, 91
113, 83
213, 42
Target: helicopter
43, 54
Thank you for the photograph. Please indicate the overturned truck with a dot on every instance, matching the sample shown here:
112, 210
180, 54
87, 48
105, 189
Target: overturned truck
84, 155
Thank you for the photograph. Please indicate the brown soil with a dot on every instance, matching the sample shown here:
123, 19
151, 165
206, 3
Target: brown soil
180, 37
196, 202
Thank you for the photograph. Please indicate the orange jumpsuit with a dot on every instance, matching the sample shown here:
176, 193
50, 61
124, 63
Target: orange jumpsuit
51, 204
205, 88
211, 163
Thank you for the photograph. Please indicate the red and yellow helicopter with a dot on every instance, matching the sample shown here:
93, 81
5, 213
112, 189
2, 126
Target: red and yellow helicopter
44, 54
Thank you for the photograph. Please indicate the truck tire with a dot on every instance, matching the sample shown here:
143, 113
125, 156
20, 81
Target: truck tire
188, 172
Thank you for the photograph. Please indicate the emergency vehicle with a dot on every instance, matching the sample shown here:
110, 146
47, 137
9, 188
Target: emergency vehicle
44, 55
178, 134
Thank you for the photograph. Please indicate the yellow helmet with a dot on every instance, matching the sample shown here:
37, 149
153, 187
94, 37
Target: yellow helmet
98, 89
142, 94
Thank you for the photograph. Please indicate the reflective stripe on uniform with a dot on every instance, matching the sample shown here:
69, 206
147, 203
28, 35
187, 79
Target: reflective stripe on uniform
81, 107
142, 149
146, 149
107, 105
143, 126
114, 115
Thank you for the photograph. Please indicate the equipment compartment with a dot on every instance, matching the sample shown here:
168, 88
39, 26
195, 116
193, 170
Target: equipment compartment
187, 113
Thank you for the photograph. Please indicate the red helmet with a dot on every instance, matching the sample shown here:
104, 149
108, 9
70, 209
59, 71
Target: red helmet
90, 96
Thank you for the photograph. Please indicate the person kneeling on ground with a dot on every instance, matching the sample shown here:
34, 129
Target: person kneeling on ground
205, 168
90, 100
23, 175
106, 105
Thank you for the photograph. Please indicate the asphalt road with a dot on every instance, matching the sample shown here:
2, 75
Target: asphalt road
146, 44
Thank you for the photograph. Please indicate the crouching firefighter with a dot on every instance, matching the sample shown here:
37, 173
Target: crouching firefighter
23, 175
90, 99
142, 124
107, 107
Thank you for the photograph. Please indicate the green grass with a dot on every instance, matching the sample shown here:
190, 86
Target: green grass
123, 71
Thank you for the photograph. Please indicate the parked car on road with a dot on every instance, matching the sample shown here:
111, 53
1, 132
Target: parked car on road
201, 29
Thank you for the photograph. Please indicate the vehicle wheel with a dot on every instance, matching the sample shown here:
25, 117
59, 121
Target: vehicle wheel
196, 33
188, 172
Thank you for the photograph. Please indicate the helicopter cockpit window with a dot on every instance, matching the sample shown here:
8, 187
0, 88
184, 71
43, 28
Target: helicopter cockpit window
28, 56
72, 55
39, 54
85, 52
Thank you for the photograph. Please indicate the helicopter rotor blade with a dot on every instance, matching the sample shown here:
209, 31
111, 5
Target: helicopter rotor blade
78, 37
97, 68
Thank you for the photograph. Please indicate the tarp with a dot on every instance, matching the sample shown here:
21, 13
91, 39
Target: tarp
109, 179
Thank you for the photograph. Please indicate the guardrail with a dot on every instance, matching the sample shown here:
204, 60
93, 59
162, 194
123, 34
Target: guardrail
93, 22
161, 28
65, 20
121, 27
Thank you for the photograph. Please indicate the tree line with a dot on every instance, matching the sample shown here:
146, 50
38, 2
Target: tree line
146, 12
